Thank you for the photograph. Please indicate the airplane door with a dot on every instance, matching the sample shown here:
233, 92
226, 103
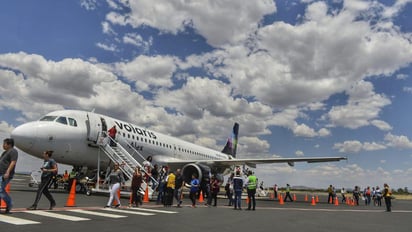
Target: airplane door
94, 129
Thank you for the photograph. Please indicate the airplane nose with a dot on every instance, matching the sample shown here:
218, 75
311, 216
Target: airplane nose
24, 136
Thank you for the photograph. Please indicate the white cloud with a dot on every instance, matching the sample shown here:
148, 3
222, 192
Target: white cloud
373, 146
299, 153
381, 125
107, 29
107, 47
89, 4
210, 19
400, 142
304, 130
148, 72
407, 89
362, 109
138, 41
5, 128
355, 146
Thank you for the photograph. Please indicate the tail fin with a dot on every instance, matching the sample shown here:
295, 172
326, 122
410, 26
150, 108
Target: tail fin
231, 144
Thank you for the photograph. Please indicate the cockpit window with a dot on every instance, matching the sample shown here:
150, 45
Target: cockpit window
48, 118
72, 122
62, 120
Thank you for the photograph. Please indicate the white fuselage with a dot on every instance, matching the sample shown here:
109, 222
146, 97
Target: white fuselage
72, 135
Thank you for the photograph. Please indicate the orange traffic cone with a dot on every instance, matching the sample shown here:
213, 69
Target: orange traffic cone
201, 197
317, 198
247, 200
306, 197
3, 204
71, 200
146, 194
294, 197
313, 201
336, 201
281, 202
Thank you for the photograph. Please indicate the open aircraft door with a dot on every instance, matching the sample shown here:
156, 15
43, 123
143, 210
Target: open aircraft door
94, 127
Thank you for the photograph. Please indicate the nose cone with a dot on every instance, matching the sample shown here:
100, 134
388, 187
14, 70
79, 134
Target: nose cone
25, 136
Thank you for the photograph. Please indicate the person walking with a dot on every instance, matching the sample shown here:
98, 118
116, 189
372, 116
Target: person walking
229, 189
275, 190
115, 180
330, 194
137, 180
112, 134
387, 195
8, 162
237, 188
378, 195
356, 194
251, 190
214, 190
343, 193
49, 170
178, 187
287, 195
194, 188
170, 189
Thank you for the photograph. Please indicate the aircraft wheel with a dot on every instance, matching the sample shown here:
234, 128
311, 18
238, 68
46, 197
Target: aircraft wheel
88, 192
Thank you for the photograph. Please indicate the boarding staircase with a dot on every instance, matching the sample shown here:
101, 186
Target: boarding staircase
127, 162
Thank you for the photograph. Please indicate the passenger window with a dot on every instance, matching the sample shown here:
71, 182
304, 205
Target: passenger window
72, 122
62, 120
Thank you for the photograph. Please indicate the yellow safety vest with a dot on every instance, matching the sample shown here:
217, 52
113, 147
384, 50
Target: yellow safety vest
171, 181
251, 182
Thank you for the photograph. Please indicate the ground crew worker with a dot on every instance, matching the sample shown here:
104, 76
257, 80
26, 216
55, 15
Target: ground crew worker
288, 193
387, 194
251, 190
72, 176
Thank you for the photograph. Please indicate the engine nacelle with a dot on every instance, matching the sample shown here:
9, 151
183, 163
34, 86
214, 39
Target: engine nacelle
200, 171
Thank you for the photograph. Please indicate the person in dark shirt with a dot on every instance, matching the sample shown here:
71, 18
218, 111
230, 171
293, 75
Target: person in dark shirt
49, 170
8, 162
237, 189
178, 187
137, 180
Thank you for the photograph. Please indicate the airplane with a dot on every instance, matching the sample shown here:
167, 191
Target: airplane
74, 137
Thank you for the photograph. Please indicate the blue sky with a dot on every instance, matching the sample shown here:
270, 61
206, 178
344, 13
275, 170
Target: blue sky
303, 78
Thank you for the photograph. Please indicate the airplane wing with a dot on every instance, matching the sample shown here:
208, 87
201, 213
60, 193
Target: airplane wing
253, 162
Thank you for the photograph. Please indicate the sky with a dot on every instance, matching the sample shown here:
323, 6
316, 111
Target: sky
302, 78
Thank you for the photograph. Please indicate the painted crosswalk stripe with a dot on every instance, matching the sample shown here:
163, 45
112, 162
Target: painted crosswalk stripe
16, 221
153, 210
56, 215
97, 213
128, 211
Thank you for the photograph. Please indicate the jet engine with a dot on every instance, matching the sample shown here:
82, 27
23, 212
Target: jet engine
199, 170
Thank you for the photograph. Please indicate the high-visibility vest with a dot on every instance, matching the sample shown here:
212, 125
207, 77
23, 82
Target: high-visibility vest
251, 182
171, 180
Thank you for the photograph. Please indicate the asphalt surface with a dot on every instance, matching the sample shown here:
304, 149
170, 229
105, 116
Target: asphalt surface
88, 214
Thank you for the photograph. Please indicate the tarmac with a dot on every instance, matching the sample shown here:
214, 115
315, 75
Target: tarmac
87, 214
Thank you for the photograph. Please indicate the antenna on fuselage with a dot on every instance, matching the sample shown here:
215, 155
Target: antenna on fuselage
93, 110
